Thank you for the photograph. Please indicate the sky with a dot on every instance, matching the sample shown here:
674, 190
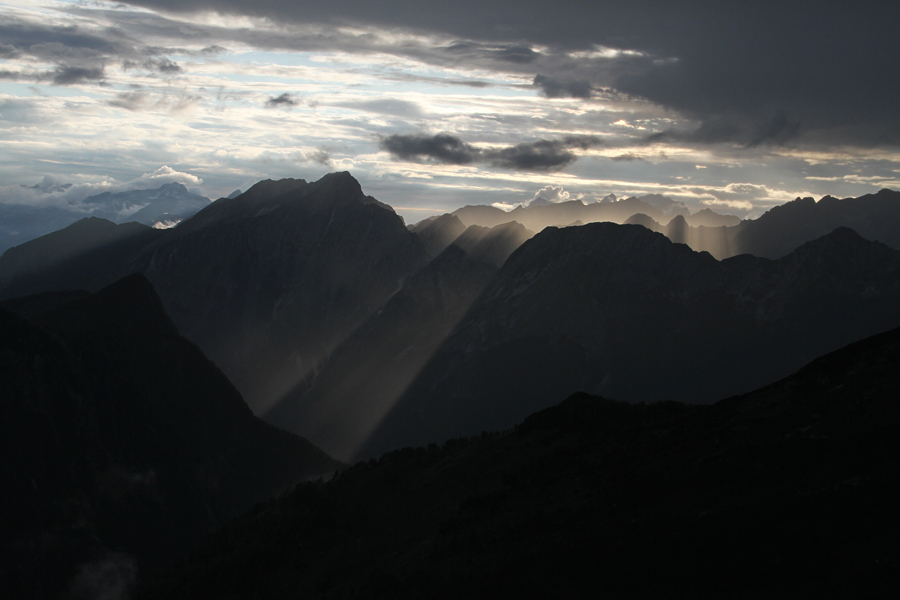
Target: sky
435, 105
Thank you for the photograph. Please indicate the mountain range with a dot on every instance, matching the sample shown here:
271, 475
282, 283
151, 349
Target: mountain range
338, 322
133, 359
772, 235
161, 207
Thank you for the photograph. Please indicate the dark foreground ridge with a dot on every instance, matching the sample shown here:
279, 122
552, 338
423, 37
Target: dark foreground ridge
121, 445
789, 491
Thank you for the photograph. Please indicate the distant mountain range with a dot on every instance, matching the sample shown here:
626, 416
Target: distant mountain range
338, 322
121, 445
773, 235
538, 216
162, 207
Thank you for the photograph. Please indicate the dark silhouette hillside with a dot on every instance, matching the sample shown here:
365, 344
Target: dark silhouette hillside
89, 254
121, 445
788, 491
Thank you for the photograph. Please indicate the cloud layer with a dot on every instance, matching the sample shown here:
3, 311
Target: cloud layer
624, 98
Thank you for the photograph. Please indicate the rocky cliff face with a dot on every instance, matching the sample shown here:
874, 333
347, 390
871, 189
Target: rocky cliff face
623, 311
270, 282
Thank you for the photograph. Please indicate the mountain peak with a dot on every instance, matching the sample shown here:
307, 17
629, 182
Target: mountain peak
340, 186
174, 187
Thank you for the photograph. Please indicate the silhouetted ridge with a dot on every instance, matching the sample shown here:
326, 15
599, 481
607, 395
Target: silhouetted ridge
643, 220
759, 495
120, 442
623, 311
439, 232
493, 245
88, 254
270, 282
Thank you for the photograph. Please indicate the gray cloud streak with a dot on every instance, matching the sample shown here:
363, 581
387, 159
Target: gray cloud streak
284, 99
541, 155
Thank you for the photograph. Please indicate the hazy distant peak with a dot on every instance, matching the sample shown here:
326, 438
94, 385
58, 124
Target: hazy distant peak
666, 204
234, 194
172, 187
645, 220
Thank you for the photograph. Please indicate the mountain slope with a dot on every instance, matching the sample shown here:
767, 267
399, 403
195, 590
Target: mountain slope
785, 227
270, 282
620, 310
788, 491
89, 254
120, 442
369, 371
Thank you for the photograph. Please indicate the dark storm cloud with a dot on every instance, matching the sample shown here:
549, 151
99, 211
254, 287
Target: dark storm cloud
284, 99
442, 148
78, 56
541, 155
776, 130
571, 88
825, 67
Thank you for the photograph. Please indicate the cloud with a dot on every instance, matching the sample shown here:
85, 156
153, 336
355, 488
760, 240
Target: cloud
513, 53
213, 50
541, 155
52, 191
558, 88
164, 174
442, 148
738, 62
73, 75
776, 130
284, 99
321, 157
549, 194
132, 101
385, 106
160, 65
